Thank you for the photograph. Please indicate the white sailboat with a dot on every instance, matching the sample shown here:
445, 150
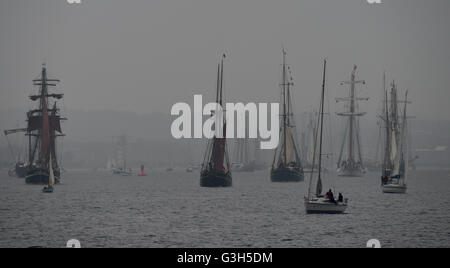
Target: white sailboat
51, 177
395, 167
318, 203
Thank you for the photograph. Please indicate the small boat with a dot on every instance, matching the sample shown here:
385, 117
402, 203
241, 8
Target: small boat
351, 164
286, 166
189, 170
47, 190
396, 162
216, 168
142, 173
51, 178
319, 204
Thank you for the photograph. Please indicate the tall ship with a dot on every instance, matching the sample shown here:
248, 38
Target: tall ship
119, 162
44, 127
216, 168
396, 151
242, 160
351, 162
287, 166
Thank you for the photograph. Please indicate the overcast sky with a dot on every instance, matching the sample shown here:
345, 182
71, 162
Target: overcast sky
144, 56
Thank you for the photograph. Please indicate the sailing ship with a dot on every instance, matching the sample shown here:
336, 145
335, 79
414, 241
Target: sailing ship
216, 170
20, 167
351, 164
120, 166
286, 166
44, 127
396, 159
318, 203
242, 161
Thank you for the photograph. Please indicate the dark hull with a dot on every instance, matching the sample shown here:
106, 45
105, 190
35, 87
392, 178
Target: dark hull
287, 175
21, 171
215, 179
40, 178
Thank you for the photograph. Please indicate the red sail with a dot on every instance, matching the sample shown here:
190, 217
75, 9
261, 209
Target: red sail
218, 153
45, 144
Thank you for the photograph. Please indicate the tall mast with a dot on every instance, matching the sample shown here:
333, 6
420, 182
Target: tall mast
352, 117
321, 119
284, 108
352, 113
41, 124
316, 134
221, 82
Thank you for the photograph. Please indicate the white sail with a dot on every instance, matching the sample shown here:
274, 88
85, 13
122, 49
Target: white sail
289, 146
393, 147
51, 178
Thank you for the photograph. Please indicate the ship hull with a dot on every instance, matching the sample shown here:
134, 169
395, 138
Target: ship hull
287, 175
21, 171
323, 206
216, 179
39, 177
394, 189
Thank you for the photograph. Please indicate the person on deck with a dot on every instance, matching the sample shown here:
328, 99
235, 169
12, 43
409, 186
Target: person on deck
330, 196
341, 198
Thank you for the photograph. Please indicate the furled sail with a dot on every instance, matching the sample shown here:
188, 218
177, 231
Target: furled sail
35, 122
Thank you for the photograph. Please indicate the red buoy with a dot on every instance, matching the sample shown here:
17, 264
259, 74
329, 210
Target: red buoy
142, 173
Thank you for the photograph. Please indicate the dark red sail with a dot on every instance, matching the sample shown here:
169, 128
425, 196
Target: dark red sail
45, 144
218, 154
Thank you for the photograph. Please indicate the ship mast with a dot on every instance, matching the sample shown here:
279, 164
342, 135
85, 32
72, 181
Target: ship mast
352, 115
44, 122
284, 108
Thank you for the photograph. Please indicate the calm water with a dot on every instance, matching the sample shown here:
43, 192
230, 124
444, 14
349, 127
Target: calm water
171, 210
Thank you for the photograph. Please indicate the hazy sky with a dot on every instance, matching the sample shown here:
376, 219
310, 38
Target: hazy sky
144, 56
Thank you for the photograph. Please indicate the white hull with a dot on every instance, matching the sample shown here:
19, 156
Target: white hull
394, 189
324, 206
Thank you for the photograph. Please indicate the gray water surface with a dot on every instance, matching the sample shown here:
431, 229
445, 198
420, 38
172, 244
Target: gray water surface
171, 210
